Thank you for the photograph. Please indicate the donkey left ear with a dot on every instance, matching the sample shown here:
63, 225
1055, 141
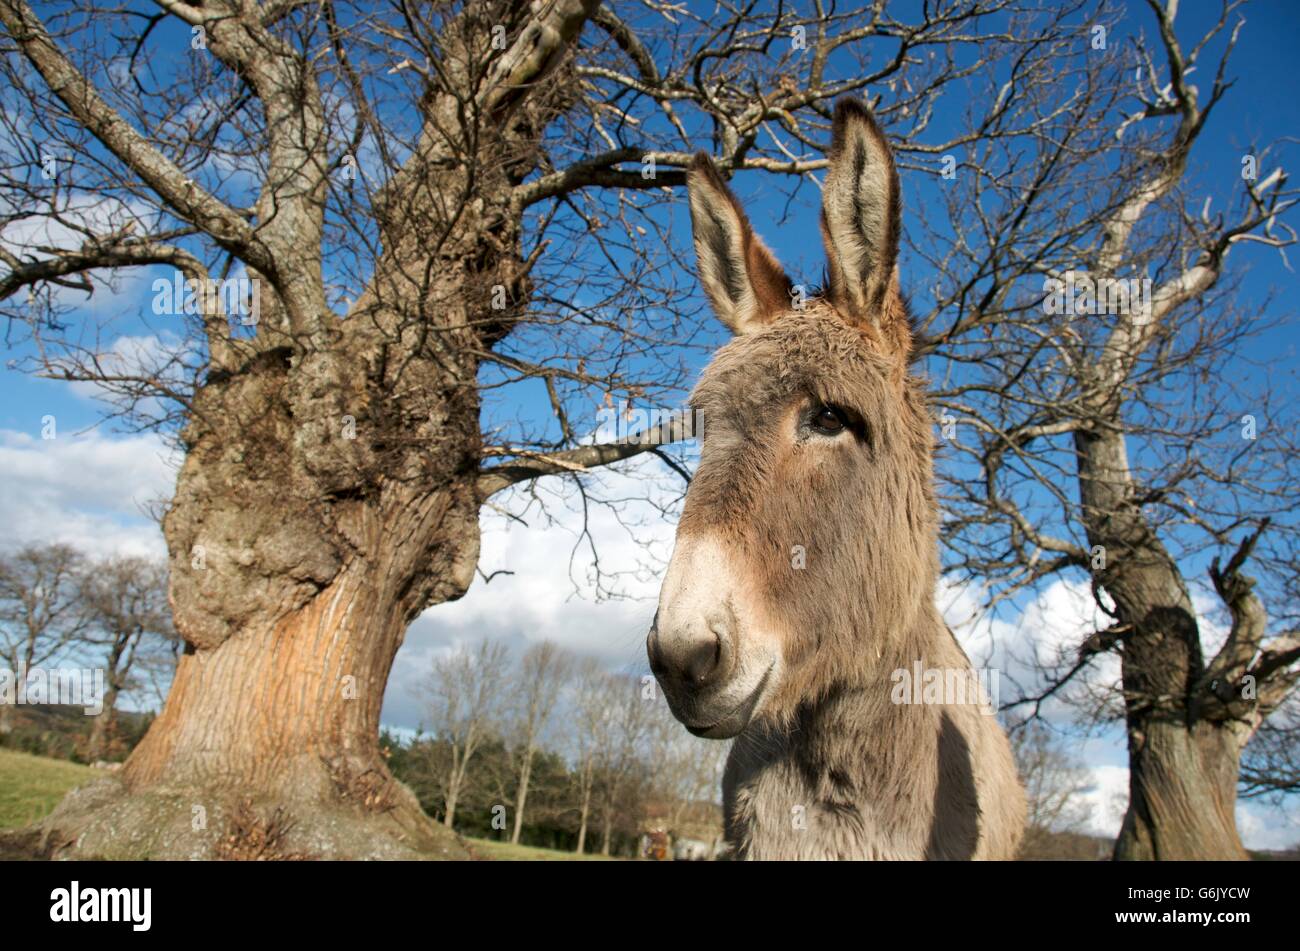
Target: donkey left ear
860, 215
744, 282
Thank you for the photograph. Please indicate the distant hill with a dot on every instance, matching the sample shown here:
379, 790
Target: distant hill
61, 731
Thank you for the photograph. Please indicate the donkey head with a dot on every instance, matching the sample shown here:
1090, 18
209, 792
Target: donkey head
807, 539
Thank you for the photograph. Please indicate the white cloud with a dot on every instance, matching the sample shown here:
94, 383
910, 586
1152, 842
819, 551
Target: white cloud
1263, 826
83, 215
88, 490
1209, 616
1049, 627
1107, 798
551, 594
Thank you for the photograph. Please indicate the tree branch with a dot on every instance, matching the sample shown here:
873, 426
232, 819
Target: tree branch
197, 206
528, 465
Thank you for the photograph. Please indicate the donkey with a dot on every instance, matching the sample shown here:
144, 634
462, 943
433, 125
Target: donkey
803, 577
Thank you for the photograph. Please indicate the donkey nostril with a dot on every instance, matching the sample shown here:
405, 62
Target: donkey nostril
702, 661
705, 658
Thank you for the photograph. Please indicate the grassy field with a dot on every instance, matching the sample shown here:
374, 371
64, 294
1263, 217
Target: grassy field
31, 786
505, 852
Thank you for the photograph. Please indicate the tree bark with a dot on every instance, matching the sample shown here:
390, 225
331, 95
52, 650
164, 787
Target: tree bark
1182, 768
453, 795
284, 712
521, 797
101, 729
584, 814
1183, 790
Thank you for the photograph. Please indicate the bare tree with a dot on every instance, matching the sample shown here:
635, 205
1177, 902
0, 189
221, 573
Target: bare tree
41, 612
630, 708
588, 736
465, 697
543, 671
129, 622
686, 772
1055, 783
1083, 322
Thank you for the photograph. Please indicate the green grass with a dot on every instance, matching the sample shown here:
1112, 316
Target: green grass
31, 786
505, 852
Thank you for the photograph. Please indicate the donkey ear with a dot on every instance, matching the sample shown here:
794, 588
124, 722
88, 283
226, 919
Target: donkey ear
744, 282
860, 214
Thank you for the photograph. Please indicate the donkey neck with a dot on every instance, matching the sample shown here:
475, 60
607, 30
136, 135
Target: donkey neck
836, 736
871, 647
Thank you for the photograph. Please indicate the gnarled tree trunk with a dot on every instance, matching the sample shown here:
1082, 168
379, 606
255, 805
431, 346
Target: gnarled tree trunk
1182, 764
330, 489
293, 612
1182, 794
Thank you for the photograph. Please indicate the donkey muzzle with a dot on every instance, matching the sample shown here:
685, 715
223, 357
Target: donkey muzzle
711, 671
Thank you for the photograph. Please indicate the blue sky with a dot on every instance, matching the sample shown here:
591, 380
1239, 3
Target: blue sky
1257, 110
92, 484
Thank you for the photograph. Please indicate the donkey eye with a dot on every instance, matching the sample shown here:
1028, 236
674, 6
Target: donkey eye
827, 420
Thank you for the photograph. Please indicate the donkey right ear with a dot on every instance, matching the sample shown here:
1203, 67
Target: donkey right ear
744, 282
860, 214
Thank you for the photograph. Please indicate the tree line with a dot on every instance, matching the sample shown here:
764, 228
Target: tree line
548, 748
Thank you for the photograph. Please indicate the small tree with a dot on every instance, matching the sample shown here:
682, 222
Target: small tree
465, 693
1055, 784
629, 709
41, 610
129, 624
686, 771
543, 672
589, 737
